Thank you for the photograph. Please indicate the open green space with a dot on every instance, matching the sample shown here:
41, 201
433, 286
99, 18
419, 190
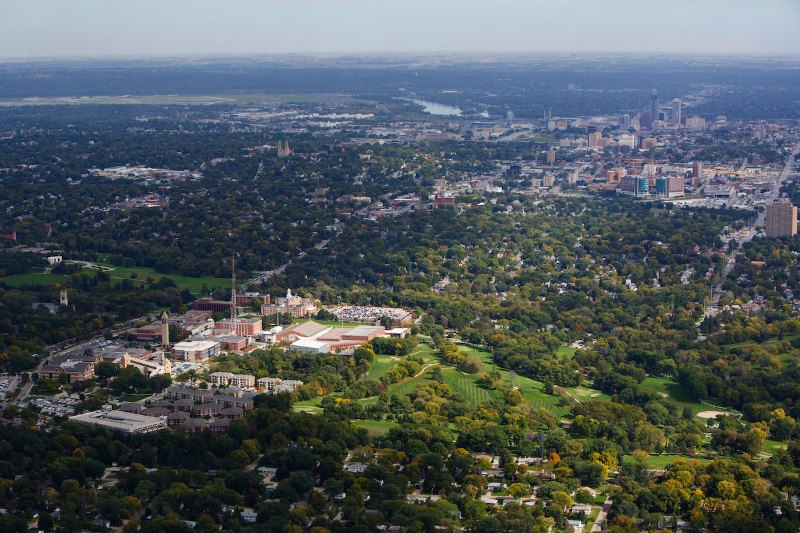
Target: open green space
195, 285
767, 342
33, 278
673, 390
660, 462
375, 427
466, 386
565, 352
133, 397
379, 367
309, 406
533, 390
773, 446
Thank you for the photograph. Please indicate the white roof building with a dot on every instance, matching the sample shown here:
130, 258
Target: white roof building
310, 346
121, 421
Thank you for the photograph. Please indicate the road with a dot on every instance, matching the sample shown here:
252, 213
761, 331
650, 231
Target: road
264, 276
601, 517
747, 236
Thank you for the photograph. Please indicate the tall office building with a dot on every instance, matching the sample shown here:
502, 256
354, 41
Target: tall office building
654, 105
697, 173
676, 112
781, 220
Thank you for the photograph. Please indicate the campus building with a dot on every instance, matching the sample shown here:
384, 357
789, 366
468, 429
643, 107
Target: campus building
121, 421
194, 351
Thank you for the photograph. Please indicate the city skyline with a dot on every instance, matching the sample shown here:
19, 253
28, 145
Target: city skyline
90, 28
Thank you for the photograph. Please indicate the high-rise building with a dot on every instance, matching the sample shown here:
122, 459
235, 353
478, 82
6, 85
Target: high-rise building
654, 105
669, 186
595, 139
697, 174
510, 116
551, 155
676, 112
781, 220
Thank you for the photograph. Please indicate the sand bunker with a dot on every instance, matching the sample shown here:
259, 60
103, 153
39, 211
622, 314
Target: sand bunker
710, 414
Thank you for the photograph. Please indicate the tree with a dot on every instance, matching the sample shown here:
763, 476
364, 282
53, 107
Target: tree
45, 522
519, 490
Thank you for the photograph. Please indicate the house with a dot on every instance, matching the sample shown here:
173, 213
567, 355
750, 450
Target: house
355, 468
196, 395
232, 413
223, 401
206, 409
177, 418
249, 516
184, 404
574, 526
581, 508
195, 425
220, 425
268, 472
155, 412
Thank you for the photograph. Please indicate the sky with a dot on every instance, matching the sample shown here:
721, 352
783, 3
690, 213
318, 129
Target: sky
79, 28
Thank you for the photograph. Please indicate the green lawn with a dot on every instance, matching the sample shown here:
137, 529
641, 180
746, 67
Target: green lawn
466, 386
195, 285
773, 446
669, 388
375, 427
767, 342
379, 367
426, 352
33, 278
133, 397
659, 462
565, 352
532, 390
309, 406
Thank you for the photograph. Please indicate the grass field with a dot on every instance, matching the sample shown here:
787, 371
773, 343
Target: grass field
379, 367
660, 462
669, 388
309, 406
565, 352
466, 386
533, 390
767, 342
33, 278
195, 285
375, 427
773, 446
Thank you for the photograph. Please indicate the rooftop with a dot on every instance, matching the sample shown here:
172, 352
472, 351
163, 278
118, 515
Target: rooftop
120, 420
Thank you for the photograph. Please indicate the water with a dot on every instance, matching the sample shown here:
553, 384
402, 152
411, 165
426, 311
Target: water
433, 108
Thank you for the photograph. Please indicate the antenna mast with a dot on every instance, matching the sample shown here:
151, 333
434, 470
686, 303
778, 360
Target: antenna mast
234, 310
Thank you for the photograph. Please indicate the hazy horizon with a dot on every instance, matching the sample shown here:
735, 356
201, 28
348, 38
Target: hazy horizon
48, 29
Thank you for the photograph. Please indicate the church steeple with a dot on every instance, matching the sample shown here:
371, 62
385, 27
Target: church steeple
164, 329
